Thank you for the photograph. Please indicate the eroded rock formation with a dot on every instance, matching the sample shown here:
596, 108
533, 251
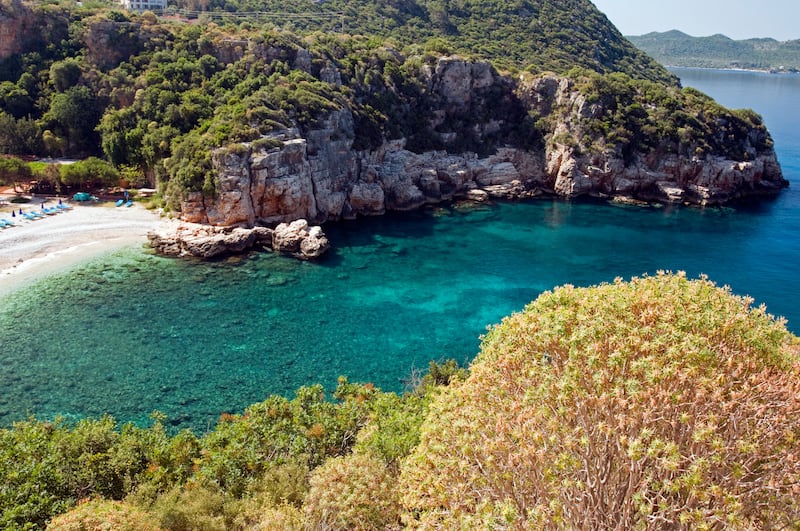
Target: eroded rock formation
318, 175
181, 238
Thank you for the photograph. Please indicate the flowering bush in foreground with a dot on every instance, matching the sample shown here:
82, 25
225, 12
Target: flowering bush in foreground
100, 515
356, 492
659, 403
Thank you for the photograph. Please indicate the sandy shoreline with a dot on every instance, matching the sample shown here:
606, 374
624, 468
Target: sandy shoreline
31, 250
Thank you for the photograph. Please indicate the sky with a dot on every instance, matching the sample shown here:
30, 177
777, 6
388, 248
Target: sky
738, 19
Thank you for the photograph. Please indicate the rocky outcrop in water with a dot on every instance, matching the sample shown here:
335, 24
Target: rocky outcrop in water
319, 176
300, 240
180, 238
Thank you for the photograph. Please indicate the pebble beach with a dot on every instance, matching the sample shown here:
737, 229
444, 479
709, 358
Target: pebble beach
31, 249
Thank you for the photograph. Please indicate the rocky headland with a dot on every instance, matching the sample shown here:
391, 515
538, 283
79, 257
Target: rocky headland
319, 176
335, 134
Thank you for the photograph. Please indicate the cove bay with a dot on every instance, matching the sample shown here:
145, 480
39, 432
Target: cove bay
130, 333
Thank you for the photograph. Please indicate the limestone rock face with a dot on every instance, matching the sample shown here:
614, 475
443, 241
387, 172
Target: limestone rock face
314, 245
13, 30
175, 238
300, 240
287, 236
367, 199
108, 43
456, 80
318, 175
180, 238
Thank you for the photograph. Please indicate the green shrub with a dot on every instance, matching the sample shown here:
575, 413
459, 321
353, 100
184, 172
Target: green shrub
90, 173
47, 467
13, 169
191, 508
99, 514
308, 429
354, 492
392, 431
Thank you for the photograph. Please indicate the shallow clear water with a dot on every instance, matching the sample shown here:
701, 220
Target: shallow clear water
131, 333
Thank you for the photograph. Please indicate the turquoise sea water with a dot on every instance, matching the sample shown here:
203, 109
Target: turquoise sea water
131, 333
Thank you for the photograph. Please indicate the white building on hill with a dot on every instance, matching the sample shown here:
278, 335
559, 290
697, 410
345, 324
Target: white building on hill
144, 5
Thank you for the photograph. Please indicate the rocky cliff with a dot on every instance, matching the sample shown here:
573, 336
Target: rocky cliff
17, 26
319, 176
33, 27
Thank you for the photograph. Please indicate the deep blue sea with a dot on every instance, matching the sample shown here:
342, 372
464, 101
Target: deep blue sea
130, 333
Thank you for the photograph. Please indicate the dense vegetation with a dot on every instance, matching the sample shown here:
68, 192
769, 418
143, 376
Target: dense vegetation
675, 48
153, 97
659, 403
641, 117
552, 35
263, 460
662, 403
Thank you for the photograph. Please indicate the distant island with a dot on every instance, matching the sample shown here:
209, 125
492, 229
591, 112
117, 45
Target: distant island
675, 48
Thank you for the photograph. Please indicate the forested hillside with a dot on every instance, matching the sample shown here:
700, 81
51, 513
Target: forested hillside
155, 97
675, 48
553, 35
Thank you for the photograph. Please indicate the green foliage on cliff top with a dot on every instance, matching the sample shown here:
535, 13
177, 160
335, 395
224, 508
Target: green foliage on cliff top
541, 35
634, 116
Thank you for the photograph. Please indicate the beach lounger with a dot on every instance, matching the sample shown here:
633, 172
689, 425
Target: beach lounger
64, 207
120, 202
129, 203
6, 223
28, 215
